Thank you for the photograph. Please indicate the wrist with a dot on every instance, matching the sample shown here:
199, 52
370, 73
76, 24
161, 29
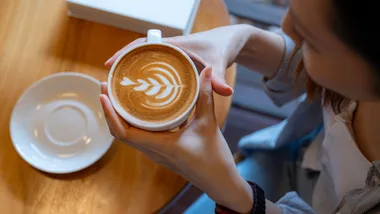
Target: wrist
250, 36
259, 203
245, 199
243, 33
236, 196
262, 51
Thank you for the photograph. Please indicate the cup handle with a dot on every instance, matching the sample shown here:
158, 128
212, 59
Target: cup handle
154, 36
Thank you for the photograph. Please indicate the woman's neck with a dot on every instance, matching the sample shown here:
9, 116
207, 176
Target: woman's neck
366, 126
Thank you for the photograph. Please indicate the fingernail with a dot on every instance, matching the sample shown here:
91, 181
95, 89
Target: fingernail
107, 61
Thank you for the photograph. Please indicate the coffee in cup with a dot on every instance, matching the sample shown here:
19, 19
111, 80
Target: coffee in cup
154, 86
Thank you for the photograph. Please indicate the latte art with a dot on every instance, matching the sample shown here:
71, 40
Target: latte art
154, 84
162, 82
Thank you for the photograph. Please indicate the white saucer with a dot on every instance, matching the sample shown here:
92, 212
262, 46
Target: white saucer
58, 126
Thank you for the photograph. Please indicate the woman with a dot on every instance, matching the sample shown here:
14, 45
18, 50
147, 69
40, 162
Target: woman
340, 56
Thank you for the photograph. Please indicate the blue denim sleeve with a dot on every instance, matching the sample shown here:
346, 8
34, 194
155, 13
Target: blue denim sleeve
291, 203
284, 87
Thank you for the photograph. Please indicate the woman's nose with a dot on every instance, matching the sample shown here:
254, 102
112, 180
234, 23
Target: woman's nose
288, 28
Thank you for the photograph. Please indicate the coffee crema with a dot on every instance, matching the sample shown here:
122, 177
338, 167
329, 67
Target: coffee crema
154, 83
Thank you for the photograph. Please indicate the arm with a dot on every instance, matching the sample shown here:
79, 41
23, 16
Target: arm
274, 56
240, 200
230, 190
262, 52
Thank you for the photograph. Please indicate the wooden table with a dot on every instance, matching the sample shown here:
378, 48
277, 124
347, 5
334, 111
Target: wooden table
37, 39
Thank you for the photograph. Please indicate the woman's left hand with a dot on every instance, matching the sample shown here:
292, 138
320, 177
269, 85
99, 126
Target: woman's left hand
198, 151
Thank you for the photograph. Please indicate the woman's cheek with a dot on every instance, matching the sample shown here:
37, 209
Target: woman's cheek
317, 68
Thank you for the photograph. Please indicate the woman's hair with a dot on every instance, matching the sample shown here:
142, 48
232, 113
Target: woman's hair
355, 23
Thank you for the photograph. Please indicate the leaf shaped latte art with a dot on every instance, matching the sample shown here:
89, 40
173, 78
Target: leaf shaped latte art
161, 82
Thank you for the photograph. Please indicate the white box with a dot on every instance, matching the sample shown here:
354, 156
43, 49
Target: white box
172, 17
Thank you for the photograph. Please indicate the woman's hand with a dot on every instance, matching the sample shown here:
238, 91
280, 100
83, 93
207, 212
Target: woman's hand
198, 151
217, 48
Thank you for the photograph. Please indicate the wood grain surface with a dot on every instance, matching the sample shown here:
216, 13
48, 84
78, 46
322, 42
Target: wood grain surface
37, 39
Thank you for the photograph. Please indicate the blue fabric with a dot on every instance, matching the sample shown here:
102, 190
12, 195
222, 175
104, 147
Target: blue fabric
264, 168
291, 203
202, 205
304, 122
250, 168
265, 139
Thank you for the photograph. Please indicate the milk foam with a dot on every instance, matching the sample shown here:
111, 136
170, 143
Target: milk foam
159, 80
154, 84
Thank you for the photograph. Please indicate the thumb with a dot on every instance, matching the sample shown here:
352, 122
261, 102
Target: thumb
205, 104
218, 81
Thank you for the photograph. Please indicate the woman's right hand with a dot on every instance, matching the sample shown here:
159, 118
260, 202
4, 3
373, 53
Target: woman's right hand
217, 48
198, 151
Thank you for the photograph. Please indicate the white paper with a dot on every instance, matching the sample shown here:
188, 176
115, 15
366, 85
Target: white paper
175, 14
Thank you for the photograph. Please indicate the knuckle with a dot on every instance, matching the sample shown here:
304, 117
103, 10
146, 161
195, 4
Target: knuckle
207, 96
203, 123
122, 136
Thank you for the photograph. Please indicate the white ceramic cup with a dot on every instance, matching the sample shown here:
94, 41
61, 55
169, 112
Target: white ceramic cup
154, 38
